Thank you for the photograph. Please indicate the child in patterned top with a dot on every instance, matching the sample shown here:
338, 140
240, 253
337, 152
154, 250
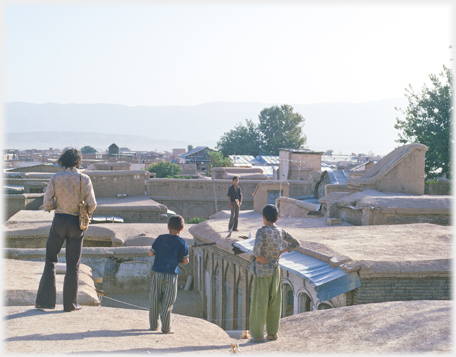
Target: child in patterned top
266, 303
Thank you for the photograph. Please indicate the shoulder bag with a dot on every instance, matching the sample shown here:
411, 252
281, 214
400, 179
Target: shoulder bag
84, 216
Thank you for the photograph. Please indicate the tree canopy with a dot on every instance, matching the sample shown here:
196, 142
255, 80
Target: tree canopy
428, 121
242, 140
218, 160
88, 150
278, 127
165, 169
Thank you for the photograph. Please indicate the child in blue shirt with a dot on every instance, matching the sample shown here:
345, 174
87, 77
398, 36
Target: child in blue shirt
169, 250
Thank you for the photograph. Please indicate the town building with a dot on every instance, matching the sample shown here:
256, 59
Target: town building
198, 156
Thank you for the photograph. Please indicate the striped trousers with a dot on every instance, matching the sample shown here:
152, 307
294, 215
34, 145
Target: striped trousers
163, 293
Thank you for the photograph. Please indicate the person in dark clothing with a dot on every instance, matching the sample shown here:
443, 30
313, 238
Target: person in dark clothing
235, 199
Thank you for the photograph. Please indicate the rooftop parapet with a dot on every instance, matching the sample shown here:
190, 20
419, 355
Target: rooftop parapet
112, 183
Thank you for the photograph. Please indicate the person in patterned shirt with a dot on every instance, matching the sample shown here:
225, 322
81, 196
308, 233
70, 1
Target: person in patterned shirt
266, 303
63, 194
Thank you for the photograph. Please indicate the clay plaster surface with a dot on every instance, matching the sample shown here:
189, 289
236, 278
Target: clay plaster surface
127, 203
29, 223
409, 248
23, 277
391, 327
402, 202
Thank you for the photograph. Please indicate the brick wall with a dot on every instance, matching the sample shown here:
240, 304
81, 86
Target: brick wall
395, 289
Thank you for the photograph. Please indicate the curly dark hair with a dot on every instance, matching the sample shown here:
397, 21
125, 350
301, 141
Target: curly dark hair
70, 158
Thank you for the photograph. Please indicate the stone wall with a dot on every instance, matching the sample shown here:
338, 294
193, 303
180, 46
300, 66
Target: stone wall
112, 183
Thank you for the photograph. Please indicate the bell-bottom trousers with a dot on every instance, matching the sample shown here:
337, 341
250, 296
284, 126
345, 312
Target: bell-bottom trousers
65, 228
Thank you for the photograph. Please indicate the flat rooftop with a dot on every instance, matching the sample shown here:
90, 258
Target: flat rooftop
28, 223
390, 327
382, 249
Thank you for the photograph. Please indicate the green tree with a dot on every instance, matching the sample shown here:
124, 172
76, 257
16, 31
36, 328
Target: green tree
428, 121
189, 148
88, 150
243, 140
280, 127
165, 169
218, 160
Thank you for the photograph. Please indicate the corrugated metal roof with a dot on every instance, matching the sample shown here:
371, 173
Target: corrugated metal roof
195, 150
329, 282
241, 160
268, 170
267, 159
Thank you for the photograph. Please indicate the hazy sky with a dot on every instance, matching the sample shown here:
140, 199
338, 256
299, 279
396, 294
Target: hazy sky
189, 53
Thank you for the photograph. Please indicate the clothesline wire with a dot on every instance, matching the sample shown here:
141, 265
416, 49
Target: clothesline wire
144, 308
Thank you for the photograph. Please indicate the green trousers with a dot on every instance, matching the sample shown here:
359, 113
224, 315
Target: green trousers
266, 304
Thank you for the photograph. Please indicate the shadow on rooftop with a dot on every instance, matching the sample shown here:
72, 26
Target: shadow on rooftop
32, 312
81, 336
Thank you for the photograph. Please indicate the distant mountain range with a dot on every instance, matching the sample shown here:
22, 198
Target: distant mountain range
342, 127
